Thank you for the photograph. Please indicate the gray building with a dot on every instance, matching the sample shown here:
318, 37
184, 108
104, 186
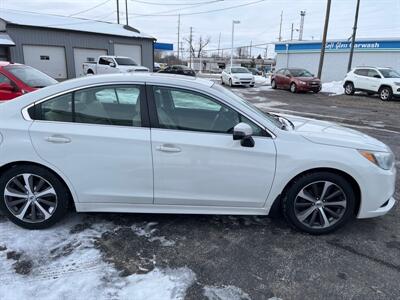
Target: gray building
59, 45
367, 52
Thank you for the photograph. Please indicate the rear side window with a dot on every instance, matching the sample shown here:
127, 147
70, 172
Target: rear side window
361, 72
106, 105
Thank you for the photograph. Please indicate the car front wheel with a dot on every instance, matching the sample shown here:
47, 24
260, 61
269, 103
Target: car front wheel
349, 88
33, 197
319, 203
293, 88
273, 84
385, 93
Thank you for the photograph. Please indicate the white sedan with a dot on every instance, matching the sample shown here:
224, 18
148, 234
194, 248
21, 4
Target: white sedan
151, 143
237, 76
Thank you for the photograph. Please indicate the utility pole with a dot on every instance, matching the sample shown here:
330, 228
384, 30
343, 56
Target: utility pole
179, 32
280, 28
321, 59
219, 43
251, 46
291, 33
353, 38
126, 9
301, 30
118, 11
190, 46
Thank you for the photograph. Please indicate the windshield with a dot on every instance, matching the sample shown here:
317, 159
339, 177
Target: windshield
389, 73
272, 118
125, 61
239, 70
30, 76
300, 73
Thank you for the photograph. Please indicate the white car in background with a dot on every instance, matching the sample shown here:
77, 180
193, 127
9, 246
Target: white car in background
107, 64
374, 80
237, 76
156, 143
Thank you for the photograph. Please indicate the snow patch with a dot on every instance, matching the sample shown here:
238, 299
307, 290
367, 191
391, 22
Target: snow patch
334, 87
261, 80
148, 231
225, 293
64, 264
269, 104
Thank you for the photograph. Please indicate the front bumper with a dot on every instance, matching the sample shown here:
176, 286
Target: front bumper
383, 210
243, 82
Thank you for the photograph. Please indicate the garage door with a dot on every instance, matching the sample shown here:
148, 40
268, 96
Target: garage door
133, 51
82, 55
48, 59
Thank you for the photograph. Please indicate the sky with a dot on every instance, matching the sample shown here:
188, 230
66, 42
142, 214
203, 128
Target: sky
259, 21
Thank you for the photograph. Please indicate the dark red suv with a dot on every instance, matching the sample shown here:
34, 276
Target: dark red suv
295, 80
17, 79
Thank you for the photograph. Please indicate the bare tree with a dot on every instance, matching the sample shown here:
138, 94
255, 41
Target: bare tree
196, 49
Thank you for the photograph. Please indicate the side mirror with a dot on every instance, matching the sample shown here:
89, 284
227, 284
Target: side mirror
4, 86
288, 75
112, 65
243, 132
377, 76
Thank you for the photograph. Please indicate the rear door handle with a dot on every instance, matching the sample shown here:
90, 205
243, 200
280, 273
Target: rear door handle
168, 148
58, 139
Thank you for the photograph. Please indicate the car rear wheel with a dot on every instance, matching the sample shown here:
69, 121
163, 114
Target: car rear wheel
273, 84
33, 197
293, 87
349, 88
319, 203
385, 93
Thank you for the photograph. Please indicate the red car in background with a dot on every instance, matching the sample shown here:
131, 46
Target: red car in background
295, 80
17, 79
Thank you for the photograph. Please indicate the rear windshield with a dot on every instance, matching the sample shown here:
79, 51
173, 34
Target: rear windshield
239, 70
300, 73
125, 61
30, 76
389, 73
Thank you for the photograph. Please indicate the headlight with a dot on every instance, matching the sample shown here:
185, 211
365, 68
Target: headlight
384, 160
302, 82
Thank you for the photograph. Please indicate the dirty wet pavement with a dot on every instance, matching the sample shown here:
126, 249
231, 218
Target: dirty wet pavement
105, 256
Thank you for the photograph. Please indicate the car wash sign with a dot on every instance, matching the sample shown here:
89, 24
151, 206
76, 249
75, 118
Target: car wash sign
338, 46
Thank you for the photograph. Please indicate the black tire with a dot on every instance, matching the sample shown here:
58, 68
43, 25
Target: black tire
251, 85
222, 81
293, 88
90, 72
273, 84
349, 89
61, 192
230, 82
289, 201
385, 93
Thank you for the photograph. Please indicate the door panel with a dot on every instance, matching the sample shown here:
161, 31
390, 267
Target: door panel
101, 147
209, 169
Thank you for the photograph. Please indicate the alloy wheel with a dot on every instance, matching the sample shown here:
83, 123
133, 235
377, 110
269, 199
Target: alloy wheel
30, 198
385, 94
320, 204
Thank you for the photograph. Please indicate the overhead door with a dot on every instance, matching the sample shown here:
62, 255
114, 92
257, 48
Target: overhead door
48, 59
132, 51
82, 55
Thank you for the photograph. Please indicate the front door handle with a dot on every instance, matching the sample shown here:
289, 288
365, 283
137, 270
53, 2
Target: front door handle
58, 139
168, 148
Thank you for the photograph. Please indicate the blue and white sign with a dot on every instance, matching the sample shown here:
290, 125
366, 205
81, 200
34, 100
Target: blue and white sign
338, 46
163, 46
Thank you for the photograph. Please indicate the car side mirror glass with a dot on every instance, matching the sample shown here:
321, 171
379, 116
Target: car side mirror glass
377, 76
243, 132
6, 87
112, 65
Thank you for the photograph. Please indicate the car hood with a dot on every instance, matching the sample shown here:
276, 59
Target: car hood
308, 79
243, 75
328, 133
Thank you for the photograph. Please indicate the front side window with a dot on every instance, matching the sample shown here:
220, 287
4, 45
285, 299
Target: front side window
187, 110
106, 105
373, 73
300, 73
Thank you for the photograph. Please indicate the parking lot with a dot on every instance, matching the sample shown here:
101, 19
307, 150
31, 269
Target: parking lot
218, 257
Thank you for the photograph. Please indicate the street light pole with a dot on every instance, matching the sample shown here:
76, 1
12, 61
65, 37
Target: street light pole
233, 32
321, 59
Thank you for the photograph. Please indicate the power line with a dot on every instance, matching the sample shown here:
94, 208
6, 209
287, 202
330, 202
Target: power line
200, 12
176, 3
89, 9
